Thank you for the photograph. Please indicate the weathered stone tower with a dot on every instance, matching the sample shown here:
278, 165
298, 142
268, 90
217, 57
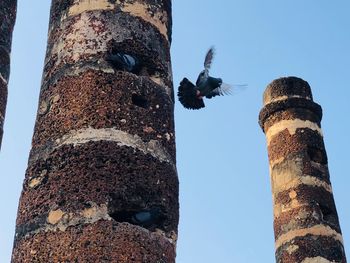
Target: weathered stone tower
305, 218
101, 183
7, 22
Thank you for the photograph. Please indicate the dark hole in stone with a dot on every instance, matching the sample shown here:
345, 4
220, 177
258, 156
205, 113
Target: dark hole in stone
87, 243
124, 62
122, 216
317, 155
35, 215
61, 203
148, 218
327, 213
139, 101
87, 204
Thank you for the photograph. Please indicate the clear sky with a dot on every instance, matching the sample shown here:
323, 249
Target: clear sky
225, 194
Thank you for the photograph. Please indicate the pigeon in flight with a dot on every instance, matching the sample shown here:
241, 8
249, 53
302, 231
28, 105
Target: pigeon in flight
191, 96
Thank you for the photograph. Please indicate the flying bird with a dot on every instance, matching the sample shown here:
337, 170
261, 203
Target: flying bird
191, 96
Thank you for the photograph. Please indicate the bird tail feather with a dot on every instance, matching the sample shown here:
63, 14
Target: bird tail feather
187, 94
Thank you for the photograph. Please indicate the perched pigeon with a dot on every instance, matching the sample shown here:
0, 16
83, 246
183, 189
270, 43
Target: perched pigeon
125, 62
191, 96
146, 218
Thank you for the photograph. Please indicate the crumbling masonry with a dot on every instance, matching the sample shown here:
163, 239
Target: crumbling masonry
103, 148
7, 22
305, 218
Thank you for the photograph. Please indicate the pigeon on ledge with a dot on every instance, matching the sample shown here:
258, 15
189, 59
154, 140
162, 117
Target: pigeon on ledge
146, 218
124, 62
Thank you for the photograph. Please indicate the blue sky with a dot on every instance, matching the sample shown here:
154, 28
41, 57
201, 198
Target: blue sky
225, 194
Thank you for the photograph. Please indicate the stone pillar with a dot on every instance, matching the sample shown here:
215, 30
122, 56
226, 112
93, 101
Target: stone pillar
306, 223
101, 183
7, 21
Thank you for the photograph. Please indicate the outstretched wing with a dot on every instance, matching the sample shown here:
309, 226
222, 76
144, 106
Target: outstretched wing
226, 89
223, 89
187, 94
208, 60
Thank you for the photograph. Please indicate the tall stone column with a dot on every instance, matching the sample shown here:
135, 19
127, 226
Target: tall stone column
101, 183
306, 223
7, 21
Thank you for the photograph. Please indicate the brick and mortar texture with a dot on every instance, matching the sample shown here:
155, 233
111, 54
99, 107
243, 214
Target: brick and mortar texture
306, 223
96, 151
7, 22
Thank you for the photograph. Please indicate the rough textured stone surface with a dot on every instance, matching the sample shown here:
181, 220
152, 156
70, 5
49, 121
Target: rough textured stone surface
102, 241
106, 31
121, 177
304, 141
7, 22
311, 247
306, 223
291, 114
103, 149
101, 100
4, 63
316, 206
286, 87
3, 97
289, 104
